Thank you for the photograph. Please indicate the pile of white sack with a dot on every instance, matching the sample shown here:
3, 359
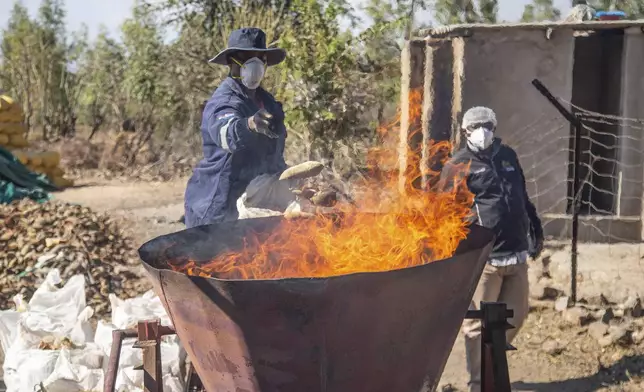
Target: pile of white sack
48, 344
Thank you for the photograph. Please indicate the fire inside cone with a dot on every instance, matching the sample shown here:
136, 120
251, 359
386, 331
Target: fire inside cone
338, 303
413, 227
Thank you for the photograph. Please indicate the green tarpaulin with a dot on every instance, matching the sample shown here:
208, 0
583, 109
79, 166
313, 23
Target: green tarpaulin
18, 182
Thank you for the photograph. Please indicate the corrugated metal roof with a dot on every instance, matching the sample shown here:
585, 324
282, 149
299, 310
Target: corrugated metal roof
465, 29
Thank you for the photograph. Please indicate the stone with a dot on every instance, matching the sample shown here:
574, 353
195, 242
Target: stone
562, 303
542, 291
604, 315
545, 261
633, 307
617, 334
577, 316
552, 347
637, 336
605, 341
539, 305
597, 330
604, 300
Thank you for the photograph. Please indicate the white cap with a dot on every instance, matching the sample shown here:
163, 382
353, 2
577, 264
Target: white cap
478, 115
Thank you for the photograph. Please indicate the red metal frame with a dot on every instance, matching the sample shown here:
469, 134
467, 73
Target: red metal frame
148, 334
494, 378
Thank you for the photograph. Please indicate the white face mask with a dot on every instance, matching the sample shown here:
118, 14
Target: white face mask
252, 73
480, 139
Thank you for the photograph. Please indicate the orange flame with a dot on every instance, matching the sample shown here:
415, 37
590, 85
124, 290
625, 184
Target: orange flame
410, 228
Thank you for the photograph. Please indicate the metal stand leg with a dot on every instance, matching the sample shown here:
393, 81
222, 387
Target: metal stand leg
193, 382
494, 362
149, 339
149, 335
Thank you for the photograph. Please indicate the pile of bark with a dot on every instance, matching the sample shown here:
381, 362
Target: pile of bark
38, 237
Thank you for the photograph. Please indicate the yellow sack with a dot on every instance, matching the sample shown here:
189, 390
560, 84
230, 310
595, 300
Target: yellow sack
6, 103
50, 159
21, 156
4, 140
34, 160
13, 128
12, 117
55, 172
60, 182
18, 141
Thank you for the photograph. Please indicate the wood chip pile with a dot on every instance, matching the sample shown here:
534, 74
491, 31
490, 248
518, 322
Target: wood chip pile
38, 237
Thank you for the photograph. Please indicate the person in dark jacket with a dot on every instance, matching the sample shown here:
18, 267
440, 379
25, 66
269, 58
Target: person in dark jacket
501, 203
243, 131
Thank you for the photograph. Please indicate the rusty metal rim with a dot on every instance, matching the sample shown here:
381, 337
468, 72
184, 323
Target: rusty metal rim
303, 278
143, 255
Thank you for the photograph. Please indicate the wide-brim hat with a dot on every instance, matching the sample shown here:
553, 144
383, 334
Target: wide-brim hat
249, 39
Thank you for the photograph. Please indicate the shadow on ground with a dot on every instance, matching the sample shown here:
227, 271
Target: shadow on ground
78, 186
622, 371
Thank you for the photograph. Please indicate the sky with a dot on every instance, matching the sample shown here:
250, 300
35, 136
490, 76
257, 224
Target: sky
112, 13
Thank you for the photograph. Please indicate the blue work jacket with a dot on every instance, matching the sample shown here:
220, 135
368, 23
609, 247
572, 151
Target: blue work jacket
233, 154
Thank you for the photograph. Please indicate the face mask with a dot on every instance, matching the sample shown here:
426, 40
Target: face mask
252, 73
480, 139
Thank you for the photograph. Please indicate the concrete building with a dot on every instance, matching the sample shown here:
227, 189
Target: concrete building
597, 66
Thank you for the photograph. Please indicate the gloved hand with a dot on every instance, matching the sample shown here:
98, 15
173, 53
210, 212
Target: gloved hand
537, 249
261, 122
325, 198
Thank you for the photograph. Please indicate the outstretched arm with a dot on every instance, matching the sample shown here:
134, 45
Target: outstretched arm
227, 128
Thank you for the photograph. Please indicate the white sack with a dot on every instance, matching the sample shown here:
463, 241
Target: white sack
25, 369
8, 327
127, 313
265, 196
77, 370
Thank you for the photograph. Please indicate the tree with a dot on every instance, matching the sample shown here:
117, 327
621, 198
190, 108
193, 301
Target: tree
144, 78
380, 49
58, 86
540, 10
102, 68
466, 11
36, 68
18, 53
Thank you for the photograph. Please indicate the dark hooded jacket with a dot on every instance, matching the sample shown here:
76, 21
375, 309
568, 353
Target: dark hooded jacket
501, 201
233, 154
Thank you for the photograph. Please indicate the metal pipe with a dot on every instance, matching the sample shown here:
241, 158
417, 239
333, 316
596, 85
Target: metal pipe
577, 125
574, 120
115, 354
576, 191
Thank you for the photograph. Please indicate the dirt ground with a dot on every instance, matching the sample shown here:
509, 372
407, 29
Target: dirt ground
150, 210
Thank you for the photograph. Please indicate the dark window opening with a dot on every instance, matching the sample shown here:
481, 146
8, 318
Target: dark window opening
597, 75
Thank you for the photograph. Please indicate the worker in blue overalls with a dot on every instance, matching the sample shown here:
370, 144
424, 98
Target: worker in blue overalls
243, 131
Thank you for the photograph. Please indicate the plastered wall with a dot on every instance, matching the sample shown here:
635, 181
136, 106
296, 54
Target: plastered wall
498, 71
495, 68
